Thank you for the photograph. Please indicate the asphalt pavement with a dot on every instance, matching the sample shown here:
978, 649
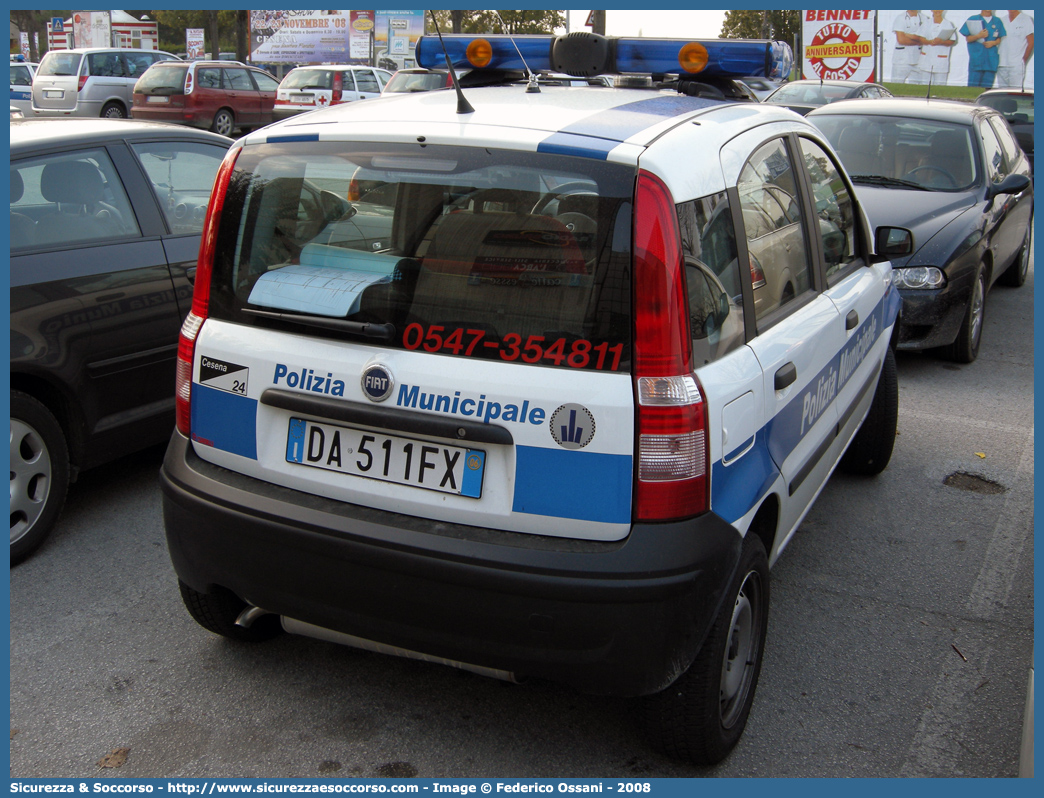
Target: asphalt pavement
899, 639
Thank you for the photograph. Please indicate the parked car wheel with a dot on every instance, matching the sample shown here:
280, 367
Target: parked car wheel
871, 448
224, 122
966, 348
700, 717
113, 111
39, 474
217, 612
1015, 275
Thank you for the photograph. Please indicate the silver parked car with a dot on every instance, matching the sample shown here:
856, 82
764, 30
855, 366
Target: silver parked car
90, 81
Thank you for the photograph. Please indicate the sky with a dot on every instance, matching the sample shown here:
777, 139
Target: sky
674, 24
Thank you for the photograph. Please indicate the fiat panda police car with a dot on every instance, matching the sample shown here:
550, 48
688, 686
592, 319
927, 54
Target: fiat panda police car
531, 380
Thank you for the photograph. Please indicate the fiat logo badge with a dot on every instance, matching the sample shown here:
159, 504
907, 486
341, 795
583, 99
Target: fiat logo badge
377, 382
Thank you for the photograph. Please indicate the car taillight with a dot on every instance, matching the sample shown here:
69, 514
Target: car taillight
81, 82
338, 85
757, 274
188, 81
670, 412
200, 295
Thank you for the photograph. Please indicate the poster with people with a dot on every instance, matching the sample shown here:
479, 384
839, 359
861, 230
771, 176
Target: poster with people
984, 49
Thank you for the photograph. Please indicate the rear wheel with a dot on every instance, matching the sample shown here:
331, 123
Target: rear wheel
966, 348
700, 718
113, 111
871, 448
224, 122
39, 474
217, 612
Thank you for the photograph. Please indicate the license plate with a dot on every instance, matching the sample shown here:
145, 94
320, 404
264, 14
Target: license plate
53, 94
157, 98
389, 458
302, 98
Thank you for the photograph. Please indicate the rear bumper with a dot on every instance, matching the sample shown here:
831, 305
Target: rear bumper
623, 618
280, 112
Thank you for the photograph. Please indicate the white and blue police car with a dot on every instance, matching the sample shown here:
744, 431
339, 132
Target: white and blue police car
537, 383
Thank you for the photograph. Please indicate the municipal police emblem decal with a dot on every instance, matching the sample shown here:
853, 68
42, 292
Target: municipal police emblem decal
377, 382
572, 426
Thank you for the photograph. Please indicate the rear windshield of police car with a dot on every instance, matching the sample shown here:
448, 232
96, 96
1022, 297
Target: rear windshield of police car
468, 252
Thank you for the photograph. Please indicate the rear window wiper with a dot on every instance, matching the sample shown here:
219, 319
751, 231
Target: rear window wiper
881, 180
382, 332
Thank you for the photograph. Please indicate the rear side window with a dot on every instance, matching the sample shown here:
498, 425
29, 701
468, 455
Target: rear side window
712, 277
365, 81
780, 266
208, 78
59, 63
20, 76
68, 198
106, 65
499, 255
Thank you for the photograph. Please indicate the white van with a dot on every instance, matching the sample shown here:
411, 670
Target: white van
90, 81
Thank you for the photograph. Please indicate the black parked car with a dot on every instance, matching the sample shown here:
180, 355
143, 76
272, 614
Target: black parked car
955, 175
804, 95
106, 218
1017, 107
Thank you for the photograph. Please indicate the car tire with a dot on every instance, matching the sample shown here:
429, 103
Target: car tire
217, 612
39, 474
871, 448
1015, 275
113, 111
224, 123
966, 347
691, 720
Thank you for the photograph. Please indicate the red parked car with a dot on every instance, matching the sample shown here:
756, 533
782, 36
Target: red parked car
219, 95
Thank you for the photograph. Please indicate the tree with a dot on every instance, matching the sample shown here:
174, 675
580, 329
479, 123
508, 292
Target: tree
35, 22
778, 25
517, 22
172, 25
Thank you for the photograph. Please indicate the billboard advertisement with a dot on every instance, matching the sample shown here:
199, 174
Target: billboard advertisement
958, 48
838, 45
986, 49
299, 37
360, 34
92, 29
395, 38
194, 44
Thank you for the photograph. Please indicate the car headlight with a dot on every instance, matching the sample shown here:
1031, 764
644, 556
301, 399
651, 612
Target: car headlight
918, 277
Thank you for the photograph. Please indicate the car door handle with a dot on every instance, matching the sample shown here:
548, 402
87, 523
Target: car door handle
785, 376
851, 320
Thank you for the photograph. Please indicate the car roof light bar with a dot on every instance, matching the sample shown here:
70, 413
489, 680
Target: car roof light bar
586, 54
487, 52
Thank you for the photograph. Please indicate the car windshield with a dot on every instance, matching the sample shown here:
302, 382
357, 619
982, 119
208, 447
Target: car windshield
56, 63
903, 152
810, 93
308, 79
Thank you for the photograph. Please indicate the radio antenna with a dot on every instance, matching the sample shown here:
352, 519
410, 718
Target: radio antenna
463, 106
532, 86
